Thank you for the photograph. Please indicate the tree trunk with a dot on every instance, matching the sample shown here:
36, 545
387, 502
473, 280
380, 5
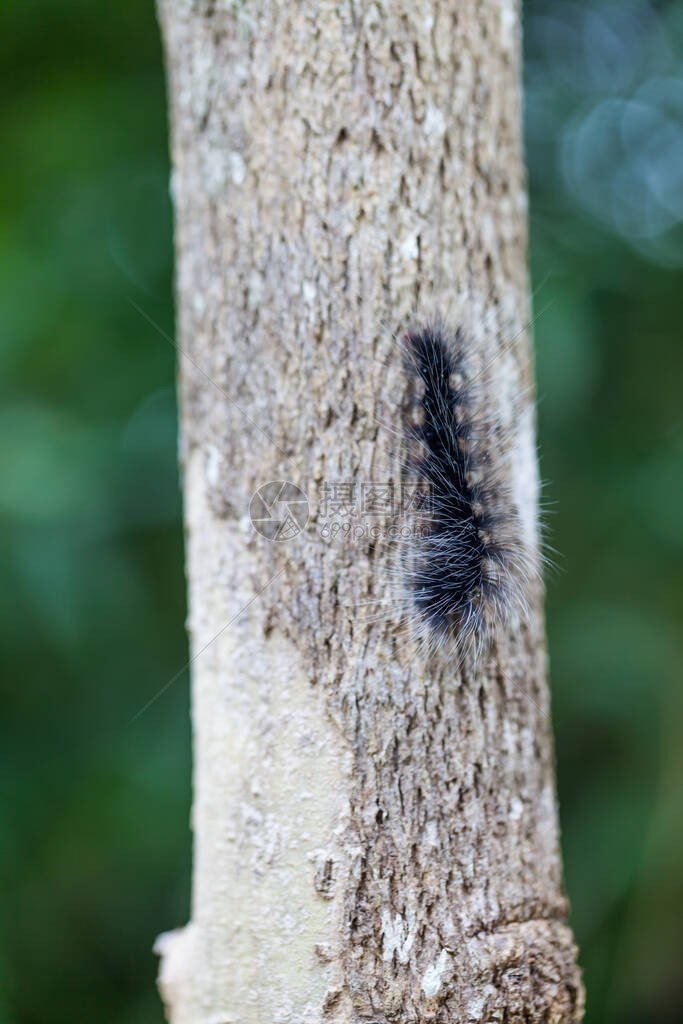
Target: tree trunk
375, 831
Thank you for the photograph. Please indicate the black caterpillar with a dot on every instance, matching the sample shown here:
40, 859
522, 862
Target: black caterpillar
467, 569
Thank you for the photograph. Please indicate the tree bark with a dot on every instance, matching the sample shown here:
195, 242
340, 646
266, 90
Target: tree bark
375, 831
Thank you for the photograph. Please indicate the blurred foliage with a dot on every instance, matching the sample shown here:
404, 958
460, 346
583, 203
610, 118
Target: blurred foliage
604, 133
94, 836
94, 833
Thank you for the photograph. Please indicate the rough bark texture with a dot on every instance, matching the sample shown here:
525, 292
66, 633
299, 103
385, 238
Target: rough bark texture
375, 832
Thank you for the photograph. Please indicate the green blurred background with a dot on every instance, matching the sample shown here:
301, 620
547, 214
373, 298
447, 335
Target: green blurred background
95, 846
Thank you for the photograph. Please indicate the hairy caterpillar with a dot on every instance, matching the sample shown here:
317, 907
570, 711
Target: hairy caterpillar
467, 569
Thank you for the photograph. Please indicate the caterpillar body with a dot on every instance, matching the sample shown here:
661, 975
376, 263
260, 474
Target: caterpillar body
467, 569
